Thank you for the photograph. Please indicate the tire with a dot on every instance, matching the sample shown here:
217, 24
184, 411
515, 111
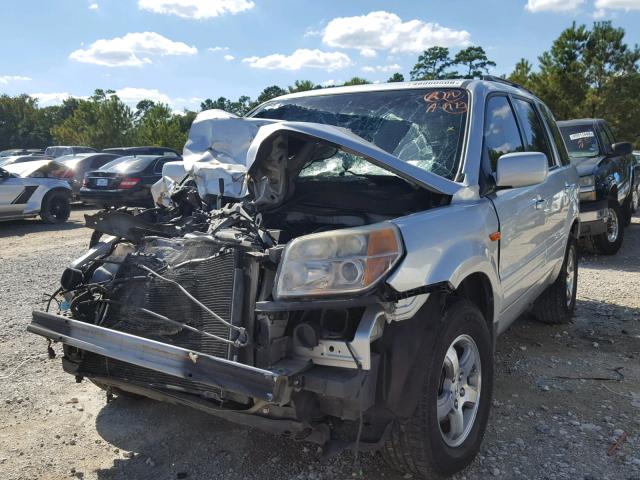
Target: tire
419, 444
635, 199
627, 210
56, 207
609, 242
557, 303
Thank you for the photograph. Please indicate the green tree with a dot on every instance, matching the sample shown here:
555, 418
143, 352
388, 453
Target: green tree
302, 86
522, 72
102, 121
396, 77
475, 60
159, 126
270, 92
433, 64
356, 81
22, 123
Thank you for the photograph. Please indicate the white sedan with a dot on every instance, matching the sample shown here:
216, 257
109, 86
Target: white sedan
35, 188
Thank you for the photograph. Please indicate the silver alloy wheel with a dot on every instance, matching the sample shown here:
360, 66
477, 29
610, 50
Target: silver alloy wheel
571, 273
613, 225
459, 390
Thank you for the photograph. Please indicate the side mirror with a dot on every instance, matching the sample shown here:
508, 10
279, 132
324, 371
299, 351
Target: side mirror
521, 169
622, 148
4, 174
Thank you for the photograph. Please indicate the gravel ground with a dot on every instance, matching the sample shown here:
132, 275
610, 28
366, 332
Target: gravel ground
563, 394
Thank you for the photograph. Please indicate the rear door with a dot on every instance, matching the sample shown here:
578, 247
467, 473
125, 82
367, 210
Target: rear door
622, 172
554, 191
520, 210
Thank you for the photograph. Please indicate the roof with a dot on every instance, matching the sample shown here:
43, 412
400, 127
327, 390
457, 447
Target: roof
489, 83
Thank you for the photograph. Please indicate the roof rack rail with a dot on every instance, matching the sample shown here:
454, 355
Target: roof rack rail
493, 78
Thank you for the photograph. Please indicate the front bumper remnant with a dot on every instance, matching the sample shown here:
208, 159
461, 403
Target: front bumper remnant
593, 218
169, 359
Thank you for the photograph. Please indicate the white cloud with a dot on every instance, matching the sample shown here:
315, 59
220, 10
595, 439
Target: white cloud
382, 68
386, 31
93, 6
132, 95
328, 83
618, 4
228, 58
7, 79
132, 50
196, 9
536, 6
301, 58
368, 52
218, 49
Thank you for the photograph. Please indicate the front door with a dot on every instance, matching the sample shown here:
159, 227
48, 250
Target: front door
521, 210
11, 189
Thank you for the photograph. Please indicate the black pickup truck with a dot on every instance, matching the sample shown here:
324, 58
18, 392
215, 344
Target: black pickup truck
606, 169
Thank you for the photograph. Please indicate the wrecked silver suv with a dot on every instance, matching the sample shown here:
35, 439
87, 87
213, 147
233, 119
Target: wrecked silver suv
341, 257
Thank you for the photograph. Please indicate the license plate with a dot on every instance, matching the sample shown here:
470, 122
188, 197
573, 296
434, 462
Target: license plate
102, 182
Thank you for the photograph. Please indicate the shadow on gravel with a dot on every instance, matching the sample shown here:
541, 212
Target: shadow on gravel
14, 228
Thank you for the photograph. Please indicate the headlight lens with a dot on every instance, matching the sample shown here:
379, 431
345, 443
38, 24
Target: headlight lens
588, 182
340, 261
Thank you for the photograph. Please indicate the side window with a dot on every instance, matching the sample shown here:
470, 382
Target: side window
609, 134
501, 133
555, 133
535, 137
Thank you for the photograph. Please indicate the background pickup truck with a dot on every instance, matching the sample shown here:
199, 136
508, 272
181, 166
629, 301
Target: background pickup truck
606, 169
347, 255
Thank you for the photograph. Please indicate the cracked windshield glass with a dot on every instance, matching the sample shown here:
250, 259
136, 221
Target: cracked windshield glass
423, 127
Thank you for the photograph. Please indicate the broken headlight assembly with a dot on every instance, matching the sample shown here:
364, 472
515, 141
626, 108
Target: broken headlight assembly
339, 261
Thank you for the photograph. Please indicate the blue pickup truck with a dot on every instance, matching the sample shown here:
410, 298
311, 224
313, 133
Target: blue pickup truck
606, 169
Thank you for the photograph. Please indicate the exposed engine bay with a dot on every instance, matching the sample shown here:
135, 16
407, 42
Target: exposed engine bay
230, 281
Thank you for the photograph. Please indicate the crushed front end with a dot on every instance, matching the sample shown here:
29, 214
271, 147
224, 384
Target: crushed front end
268, 310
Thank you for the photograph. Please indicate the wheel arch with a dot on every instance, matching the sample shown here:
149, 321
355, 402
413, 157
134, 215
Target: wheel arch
478, 289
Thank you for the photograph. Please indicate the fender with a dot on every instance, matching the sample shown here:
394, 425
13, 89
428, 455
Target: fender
448, 244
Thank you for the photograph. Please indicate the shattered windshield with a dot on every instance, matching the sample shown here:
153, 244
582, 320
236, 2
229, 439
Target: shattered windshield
580, 140
424, 127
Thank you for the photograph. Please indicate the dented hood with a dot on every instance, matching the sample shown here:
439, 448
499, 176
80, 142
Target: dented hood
224, 147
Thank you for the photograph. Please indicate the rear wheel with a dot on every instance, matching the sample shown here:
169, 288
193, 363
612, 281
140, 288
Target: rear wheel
445, 431
558, 301
56, 207
609, 242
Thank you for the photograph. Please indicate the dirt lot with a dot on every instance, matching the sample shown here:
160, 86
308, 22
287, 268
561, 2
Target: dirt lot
563, 394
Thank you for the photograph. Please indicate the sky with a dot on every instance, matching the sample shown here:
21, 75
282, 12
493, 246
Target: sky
183, 51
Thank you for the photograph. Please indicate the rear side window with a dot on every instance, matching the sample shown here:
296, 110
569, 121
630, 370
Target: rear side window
555, 133
501, 133
533, 130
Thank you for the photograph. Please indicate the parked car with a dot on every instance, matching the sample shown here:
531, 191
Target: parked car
125, 181
605, 166
21, 151
635, 192
35, 188
142, 151
379, 240
59, 150
82, 163
4, 161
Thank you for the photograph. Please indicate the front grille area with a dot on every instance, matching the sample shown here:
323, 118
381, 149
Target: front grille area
210, 281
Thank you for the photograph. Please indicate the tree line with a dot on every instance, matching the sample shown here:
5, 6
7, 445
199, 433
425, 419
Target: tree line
586, 73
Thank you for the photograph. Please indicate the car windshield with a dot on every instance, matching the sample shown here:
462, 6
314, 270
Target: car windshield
423, 127
128, 164
580, 140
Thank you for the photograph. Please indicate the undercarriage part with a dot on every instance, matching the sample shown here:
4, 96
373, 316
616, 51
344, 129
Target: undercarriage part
124, 225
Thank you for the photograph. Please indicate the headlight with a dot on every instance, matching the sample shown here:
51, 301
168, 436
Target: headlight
587, 183
587, 188
340, 261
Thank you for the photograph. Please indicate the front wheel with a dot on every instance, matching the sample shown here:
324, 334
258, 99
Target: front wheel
609, 242
557, 303
55, 208
445, 431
